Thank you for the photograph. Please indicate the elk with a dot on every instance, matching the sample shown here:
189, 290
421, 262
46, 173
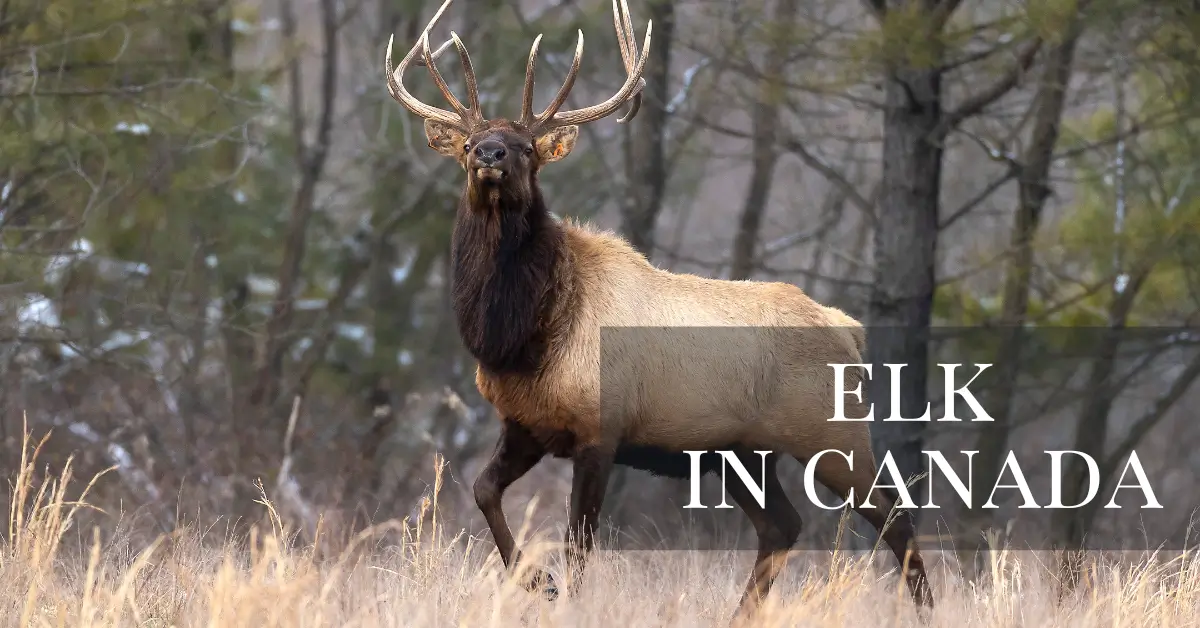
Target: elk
531, 295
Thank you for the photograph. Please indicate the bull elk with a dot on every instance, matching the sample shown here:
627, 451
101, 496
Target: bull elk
531, 295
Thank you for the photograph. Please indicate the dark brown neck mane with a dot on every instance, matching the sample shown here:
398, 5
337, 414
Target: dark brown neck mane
506, 253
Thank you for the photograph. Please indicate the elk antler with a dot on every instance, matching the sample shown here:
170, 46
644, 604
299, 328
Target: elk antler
632, 89
463, 118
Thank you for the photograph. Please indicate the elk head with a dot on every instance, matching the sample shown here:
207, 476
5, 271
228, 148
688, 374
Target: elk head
500, 155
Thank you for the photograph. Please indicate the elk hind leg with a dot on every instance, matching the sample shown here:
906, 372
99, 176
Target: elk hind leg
900, 534
592, 467
777, 524
516, 453
844, 479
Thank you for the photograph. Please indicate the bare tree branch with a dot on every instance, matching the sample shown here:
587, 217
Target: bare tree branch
978, 199
878, 8
765, 122
354, 266
797, 148
1153, 416
287, 488
975, 104
311, 161
943, 11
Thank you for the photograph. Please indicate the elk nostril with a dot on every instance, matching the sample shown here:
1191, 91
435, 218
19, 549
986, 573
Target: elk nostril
499, 154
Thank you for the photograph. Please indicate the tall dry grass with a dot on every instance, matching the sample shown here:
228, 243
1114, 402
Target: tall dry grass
420, 574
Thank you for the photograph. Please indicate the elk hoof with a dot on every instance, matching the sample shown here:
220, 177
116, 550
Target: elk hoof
543, 581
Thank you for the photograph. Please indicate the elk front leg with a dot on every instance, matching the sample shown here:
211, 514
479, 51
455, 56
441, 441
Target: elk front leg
516, 453
778, 526
593, 465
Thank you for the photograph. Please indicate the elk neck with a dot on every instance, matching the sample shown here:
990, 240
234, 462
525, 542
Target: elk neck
510, 266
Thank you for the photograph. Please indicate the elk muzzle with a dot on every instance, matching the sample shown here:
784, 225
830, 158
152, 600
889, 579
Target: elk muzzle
487, 160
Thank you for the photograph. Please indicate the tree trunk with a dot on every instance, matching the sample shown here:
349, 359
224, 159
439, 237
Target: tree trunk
905, 243
764, 152
310, 162
1070, 525
915, 128
645, 155
1034, 189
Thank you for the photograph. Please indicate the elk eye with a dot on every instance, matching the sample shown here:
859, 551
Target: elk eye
466, 147
528, 149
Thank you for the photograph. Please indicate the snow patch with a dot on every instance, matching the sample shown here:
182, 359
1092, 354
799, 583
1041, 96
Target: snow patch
53, 272
38, 312
358, 334
124, 339
137, 128
262, 285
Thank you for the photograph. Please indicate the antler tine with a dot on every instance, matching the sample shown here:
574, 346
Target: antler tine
462, 117
527, 94
468, 69
400, 94
441, 82
469, 76
631, 89
568, 83
635, 103
624, 34
628, 45
420, 61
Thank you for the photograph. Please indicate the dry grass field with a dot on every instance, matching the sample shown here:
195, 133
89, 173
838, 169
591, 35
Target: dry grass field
423, 575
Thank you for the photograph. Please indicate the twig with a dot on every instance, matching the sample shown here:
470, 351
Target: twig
286, 487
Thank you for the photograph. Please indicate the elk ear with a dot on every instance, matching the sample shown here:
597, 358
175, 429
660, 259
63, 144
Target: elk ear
444, 138
556, 143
